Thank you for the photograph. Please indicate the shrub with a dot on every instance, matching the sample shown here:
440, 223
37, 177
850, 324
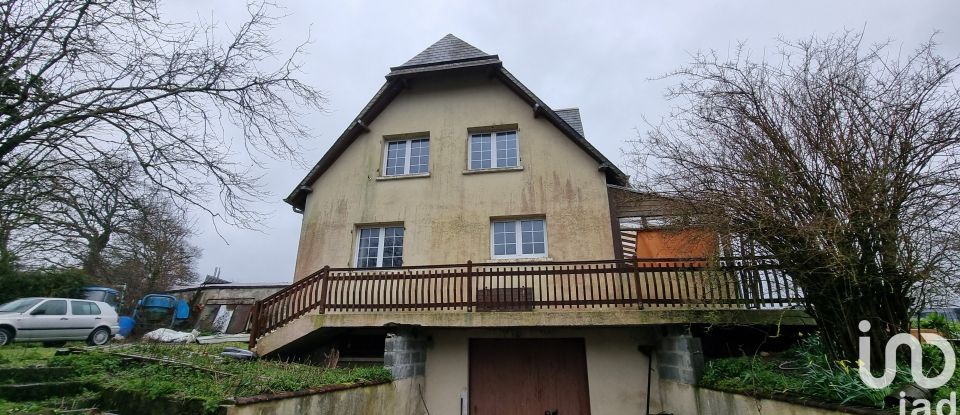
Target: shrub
747, 375
40, 283
939, 322
805, 370
838, 382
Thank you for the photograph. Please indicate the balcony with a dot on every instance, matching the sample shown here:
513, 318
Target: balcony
611, 292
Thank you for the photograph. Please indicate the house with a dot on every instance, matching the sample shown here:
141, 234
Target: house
469, 236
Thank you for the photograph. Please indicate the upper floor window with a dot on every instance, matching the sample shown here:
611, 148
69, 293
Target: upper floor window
526, 238
401, 157
493, 150
380, 247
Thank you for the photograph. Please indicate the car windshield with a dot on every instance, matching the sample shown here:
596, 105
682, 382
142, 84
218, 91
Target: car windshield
19, 306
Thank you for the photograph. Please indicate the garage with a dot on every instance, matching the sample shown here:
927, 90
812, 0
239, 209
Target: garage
528, 376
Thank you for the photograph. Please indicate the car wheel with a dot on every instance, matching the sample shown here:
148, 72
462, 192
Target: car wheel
99, 337
54, 344
6, 337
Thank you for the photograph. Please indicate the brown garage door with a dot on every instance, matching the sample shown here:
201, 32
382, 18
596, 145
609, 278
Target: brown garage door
528, 376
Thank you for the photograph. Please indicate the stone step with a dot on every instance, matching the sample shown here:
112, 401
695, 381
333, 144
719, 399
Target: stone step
40, 391
35, 374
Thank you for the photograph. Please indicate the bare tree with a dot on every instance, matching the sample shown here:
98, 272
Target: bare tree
83, 79
23, 197
109, 223
85, 208
838, 159
155, 253
16, 214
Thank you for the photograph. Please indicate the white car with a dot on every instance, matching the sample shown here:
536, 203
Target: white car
56, 320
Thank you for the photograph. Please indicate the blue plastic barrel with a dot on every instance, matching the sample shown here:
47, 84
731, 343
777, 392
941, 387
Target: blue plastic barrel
126, 326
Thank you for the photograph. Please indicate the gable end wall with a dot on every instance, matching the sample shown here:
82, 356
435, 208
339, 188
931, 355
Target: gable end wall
447, 215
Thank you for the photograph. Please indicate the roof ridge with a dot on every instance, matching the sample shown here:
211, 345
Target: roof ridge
449, 48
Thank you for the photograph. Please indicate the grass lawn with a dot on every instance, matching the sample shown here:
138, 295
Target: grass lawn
26, 354
81, 401
192, 372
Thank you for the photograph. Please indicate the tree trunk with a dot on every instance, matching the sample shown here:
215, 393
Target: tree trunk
839, 308
93, 262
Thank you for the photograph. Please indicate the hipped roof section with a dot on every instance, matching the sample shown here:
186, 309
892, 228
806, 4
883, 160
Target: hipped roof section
450, 55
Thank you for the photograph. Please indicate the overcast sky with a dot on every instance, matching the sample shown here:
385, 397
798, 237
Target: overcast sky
598, 56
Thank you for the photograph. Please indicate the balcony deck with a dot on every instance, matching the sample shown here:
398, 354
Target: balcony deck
582, 293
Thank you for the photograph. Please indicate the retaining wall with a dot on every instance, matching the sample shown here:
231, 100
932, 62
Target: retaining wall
683, 399
400, 397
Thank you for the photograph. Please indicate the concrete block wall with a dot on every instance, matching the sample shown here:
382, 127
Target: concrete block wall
405, 354
679, 355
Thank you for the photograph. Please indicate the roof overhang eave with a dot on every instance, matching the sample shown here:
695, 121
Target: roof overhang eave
396, 81
446, 67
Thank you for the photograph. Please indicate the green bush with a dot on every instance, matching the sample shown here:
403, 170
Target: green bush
41, 283
803, 371
838, 382
939, 322
748, 375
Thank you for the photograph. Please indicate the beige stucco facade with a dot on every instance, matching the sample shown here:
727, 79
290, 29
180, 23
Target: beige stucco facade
447, 214
616, 369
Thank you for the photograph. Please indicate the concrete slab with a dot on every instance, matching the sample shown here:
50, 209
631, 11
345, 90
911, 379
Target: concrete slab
539, 318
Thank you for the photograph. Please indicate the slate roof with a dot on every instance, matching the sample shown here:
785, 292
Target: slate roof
232, 285
214, 280
448, 49
571, 116
445, 56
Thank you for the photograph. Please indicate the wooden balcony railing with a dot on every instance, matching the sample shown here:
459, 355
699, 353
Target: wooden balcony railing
633, 283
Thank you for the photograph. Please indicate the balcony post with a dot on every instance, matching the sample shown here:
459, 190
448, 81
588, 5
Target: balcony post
470, 302
755, 283
254, 325
324, 278
636, 281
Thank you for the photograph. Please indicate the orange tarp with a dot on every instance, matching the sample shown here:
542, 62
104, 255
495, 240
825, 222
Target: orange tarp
688, 243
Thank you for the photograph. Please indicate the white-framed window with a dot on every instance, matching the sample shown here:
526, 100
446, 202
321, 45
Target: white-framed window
523, 238
379, 247
493, 150
411, 156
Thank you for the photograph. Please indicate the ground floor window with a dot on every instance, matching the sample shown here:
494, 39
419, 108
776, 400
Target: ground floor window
524, 238
379, 247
